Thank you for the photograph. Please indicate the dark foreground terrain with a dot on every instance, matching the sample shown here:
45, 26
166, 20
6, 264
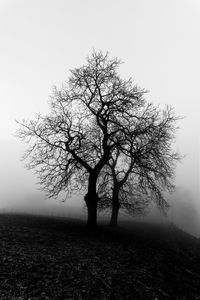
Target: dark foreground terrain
52, 258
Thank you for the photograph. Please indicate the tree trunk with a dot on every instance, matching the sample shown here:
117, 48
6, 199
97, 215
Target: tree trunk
91, 203
91, 199
115, 208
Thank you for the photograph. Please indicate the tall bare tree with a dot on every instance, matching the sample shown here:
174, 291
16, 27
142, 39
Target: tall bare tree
88, 119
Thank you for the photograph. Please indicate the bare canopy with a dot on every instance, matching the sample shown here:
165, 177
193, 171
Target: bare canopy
93, 115
139, 173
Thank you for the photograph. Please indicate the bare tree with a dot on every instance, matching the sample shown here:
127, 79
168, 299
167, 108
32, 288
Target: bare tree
126, 196
89, 118
143, 169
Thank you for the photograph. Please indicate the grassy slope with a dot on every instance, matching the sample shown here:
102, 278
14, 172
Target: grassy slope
52, 258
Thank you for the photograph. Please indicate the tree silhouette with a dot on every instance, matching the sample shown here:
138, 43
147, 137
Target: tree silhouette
117, 194
139, 173
89, 118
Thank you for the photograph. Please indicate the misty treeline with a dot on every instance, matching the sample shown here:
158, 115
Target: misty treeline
102, 136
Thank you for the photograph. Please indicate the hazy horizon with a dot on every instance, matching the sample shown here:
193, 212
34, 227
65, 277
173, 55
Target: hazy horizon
158, 41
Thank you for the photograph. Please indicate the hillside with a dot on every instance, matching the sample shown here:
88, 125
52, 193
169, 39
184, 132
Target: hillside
55, 258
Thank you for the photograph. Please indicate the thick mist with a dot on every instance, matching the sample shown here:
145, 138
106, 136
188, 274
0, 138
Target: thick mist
158, 43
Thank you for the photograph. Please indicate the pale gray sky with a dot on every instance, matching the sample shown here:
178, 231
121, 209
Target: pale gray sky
40, 40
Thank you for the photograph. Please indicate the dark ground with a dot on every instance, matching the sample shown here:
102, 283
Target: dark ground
52, 258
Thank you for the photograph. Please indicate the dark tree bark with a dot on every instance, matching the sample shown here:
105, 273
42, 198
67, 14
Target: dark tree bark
115, 208
91, 203
91, 199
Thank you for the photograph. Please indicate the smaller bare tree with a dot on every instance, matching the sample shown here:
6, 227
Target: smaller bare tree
139, 172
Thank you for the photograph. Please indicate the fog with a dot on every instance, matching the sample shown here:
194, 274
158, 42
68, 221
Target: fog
41, 41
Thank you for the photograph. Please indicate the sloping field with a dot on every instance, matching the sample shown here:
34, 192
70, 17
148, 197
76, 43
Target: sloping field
52, 258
